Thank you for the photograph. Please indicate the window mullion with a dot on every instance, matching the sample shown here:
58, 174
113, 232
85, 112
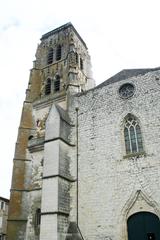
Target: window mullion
135, 132
130, 139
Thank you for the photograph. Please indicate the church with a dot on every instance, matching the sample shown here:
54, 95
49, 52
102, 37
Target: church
87, 158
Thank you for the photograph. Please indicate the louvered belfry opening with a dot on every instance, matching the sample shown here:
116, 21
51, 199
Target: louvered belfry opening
57, 84
50, 56
48, 87
58, 53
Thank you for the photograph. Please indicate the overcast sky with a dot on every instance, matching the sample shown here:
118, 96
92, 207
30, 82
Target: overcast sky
119, 34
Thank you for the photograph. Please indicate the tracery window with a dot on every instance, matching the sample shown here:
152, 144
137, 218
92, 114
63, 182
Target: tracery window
58, 53
126, 90
132, 135
50, 56
48, 87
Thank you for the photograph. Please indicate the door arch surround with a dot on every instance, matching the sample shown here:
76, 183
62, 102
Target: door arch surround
138, 202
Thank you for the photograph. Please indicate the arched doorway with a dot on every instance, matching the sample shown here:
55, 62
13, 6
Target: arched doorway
143, 226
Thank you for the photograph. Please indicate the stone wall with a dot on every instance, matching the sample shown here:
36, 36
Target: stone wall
112, 186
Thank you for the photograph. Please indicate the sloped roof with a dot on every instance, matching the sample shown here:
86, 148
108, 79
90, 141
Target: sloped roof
4, 199
63, 114
122, 75
125, 74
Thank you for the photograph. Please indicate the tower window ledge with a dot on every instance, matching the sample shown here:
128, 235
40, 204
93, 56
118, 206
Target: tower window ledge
48, 100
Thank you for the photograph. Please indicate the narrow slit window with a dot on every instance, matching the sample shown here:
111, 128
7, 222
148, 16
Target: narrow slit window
132, 135
38, 217
77, 58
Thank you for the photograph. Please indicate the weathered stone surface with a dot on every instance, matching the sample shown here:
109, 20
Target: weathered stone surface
112, 185
70, 158
3, 216
41, 171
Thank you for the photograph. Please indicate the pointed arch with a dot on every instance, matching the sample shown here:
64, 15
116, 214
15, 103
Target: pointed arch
137, 197
132, 135
139, 201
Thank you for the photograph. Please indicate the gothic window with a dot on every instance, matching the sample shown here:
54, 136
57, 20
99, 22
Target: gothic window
57, 84
58, 53
48, 87
132, 135
50, 56
81, 64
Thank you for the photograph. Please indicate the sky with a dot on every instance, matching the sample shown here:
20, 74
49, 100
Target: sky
120, 34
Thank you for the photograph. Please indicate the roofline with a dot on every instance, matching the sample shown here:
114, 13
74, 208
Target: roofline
4, 199
126, 74
121, 76
63, 27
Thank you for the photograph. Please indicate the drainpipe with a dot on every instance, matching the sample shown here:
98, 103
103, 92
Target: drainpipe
77, 193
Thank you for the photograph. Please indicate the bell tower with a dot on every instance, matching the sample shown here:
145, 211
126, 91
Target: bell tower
62, 68
62, 62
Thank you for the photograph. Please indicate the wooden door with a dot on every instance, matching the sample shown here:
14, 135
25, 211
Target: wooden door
143, 226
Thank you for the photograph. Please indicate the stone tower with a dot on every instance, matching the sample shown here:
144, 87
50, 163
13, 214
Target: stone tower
41, 176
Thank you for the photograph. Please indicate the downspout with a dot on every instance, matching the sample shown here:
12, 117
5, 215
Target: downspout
77, 156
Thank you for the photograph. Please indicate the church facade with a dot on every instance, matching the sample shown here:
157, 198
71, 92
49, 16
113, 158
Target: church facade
86, 162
